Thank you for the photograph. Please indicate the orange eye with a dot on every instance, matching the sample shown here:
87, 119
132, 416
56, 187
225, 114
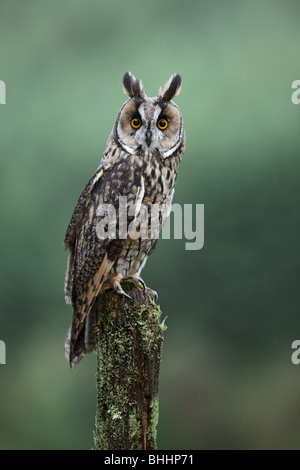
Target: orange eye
135, 123
162, 124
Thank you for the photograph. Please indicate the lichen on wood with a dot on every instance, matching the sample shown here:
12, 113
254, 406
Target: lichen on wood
129, 337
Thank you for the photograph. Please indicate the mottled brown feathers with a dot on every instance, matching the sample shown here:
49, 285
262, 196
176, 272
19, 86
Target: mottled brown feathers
139, 165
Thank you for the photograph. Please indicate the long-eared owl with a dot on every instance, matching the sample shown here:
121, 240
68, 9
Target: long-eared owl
113, 229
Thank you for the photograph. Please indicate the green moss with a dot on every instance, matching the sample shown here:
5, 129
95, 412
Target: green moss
124, 369
135, 426
163, 325
129, 285
152, 428
148, 323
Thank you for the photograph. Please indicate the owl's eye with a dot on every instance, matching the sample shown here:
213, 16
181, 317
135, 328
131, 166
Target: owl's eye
135, 123
162, 124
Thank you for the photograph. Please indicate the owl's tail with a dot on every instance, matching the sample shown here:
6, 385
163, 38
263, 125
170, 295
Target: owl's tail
85, 341
81, 336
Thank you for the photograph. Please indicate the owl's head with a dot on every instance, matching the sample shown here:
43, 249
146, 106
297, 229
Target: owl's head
146, 125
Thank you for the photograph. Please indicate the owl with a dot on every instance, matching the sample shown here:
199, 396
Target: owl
137, 173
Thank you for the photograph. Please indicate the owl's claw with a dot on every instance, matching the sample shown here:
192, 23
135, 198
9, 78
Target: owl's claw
122, 292
117, 287
142, 283
154, 294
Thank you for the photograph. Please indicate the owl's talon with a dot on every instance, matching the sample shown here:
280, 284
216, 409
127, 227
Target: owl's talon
122, 292
142, 283
154, 294
118, 288
138, 279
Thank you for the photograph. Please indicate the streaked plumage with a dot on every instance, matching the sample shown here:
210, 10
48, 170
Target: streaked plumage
139, 163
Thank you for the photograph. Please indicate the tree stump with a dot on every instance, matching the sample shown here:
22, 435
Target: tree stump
129, 338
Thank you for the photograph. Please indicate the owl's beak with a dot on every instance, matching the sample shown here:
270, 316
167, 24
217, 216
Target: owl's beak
148, 138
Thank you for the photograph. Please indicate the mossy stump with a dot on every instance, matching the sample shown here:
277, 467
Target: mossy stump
129, 338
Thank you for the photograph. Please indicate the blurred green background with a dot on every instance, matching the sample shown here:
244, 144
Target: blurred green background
227, 380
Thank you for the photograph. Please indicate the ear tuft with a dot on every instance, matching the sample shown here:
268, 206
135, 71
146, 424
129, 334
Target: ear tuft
171, 88
132, 86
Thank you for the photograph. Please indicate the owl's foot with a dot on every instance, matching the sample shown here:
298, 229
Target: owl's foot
137, 280
151, 292
118, 288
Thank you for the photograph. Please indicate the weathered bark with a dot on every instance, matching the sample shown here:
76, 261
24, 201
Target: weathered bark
129, 342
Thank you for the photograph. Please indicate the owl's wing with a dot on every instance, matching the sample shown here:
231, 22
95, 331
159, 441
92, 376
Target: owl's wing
70, 236
91, 258
82, 203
